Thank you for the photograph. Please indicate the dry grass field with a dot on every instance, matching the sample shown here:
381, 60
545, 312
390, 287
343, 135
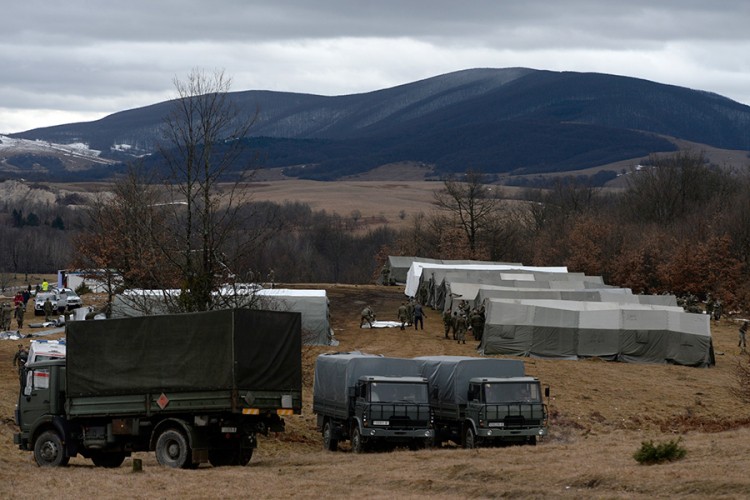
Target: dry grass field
601, 412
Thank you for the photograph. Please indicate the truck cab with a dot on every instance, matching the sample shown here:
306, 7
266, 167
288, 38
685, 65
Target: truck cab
394, 409
512, 408
40, 412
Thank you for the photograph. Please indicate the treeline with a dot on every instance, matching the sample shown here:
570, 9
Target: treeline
680, 226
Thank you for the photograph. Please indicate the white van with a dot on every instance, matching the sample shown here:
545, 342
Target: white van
42, 350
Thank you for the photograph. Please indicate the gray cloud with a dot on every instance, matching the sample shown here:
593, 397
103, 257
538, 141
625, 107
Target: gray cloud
84, 59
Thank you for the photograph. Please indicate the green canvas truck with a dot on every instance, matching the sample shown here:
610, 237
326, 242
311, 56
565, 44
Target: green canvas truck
192, 387
373, 401
484, 400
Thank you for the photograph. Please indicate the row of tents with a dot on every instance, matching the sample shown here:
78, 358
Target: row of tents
549, 312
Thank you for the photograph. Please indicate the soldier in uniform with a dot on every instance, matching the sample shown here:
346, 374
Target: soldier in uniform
368, 316
47, 309
22, 355
461, 326
447, 323
2, 317
7, 315
410, 310
742, 332
18, 314
717, 310
403, 314
418, 316
477, 324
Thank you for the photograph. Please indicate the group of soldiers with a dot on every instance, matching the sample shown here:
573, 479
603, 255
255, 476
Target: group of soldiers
9, 312
409, 312
462, 320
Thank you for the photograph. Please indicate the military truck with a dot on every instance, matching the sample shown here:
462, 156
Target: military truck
192, 387
484, 401
373, 401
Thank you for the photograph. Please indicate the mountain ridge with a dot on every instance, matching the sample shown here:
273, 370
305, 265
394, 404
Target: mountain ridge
501, 121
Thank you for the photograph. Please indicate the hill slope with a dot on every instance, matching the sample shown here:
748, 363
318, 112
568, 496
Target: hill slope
514, 120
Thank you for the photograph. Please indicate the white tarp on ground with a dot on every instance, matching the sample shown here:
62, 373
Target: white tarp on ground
383, 324
417, 268
614, 331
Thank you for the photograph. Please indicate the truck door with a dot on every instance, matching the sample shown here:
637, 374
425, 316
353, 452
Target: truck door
34, 399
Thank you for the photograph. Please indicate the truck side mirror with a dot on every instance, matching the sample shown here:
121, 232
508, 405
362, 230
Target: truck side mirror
434, 393
546, 391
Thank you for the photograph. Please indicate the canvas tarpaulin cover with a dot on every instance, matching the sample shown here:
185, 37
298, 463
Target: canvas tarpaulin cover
229, 349
451, 374
335, 373
615, 331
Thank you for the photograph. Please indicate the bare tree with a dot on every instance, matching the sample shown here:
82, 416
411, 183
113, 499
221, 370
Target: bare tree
470, 202
204, 141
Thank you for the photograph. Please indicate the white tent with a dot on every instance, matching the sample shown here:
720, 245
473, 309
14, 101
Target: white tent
312, 304
417, 268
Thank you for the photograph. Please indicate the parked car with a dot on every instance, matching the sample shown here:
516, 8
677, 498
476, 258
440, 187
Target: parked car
73, 299
39, 300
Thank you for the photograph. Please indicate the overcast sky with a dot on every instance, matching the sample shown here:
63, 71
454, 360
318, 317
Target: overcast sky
79, 60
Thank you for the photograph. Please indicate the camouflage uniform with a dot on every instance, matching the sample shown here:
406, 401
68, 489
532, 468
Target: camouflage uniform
477, 324
403, 314
447, 322
7, 315
47, 309
743, 331
22, 355
368, 315
461, 325
18, 313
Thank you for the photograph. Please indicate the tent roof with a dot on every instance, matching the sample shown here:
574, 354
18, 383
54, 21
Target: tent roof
416, 269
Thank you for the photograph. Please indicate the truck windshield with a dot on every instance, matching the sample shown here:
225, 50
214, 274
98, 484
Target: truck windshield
512, 392
394, 392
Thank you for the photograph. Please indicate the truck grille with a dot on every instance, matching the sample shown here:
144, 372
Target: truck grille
406, 416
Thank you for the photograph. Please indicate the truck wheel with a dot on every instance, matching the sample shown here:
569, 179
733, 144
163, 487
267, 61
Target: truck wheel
108, 460
329, 443
531, 440
470, 440
358, 443
172, 450
49, 451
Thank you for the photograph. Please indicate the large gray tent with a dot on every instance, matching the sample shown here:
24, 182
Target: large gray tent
454, 292
608, 330
621, 295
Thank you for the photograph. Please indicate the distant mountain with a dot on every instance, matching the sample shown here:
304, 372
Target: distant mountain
513, 120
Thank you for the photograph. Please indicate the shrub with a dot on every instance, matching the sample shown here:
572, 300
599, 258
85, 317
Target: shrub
83, 288
663, 452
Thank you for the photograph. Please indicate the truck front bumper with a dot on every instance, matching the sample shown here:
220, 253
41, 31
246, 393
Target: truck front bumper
500, 433
376, 433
